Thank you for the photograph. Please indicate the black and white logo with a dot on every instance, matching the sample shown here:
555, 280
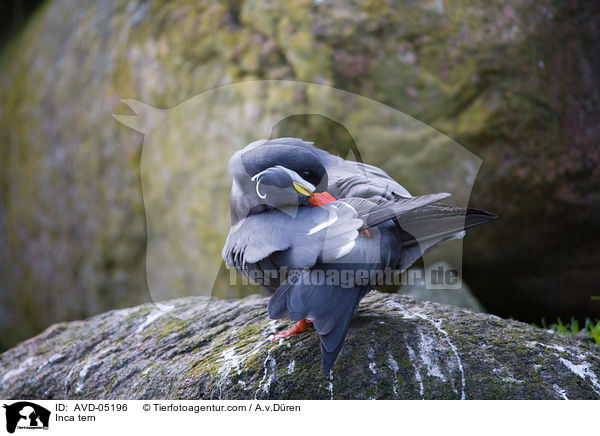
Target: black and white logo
26, 415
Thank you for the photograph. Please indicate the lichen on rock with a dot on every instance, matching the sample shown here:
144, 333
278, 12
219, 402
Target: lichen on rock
396, 348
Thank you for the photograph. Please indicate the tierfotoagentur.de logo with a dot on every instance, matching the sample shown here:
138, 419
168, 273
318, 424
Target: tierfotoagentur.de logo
25, 415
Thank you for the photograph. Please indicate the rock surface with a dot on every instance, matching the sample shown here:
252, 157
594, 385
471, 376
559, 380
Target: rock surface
397, 348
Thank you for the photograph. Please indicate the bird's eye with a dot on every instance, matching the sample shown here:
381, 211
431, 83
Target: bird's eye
306, 173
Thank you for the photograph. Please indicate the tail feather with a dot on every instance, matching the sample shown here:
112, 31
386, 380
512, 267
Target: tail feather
435, 223
332, 342
330, 307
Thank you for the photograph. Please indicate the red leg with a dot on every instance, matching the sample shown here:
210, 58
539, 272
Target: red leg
300, 327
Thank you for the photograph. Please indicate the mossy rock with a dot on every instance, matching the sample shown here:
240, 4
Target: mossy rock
397, 348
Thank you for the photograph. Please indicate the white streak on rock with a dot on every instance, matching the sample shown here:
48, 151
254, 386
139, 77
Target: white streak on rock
233, 360
89, 365
265, 383
271, 327
584, 371
560, 391
394, 367
230, 361
438, 326
406, 314
372, 367
428, 354
329, 386
160, 311
12, 373
15, 371
371, 355
67, 379
54, 358
559, 348
413, 359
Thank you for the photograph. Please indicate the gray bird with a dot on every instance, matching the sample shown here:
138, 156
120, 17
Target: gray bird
304, 219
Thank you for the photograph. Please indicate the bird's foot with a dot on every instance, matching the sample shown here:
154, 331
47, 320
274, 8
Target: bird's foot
300, 327
365, 233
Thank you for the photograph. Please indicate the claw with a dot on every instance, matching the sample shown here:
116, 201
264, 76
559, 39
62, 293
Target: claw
300, 327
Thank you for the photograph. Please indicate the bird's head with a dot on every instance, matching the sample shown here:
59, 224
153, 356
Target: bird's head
282, 173
279, 186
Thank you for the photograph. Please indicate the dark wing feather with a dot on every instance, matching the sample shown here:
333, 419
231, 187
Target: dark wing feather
373, 212
332, 342
330, 307
433, 223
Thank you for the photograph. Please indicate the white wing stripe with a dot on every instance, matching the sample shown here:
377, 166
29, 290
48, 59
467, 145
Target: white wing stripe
330, 220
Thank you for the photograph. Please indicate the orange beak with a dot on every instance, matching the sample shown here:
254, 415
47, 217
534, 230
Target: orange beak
321, 199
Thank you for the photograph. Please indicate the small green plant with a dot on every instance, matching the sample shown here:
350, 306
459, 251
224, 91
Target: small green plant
592, 328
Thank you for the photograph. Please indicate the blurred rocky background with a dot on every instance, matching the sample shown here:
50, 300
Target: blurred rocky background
515, 82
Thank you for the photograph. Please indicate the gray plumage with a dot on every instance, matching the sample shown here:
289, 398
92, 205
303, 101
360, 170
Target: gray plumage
274, 226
